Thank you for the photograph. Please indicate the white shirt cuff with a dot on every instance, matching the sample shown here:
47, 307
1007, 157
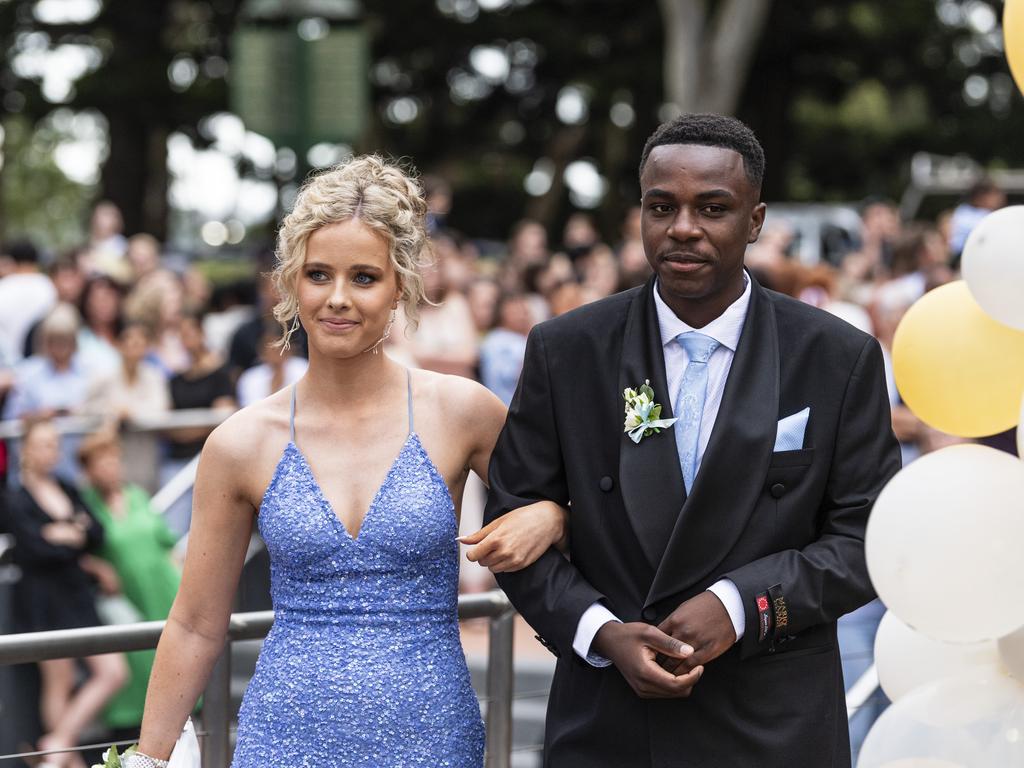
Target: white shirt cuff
595, 617
727, 592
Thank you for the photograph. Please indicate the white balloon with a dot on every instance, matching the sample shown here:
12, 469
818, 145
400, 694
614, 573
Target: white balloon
906, 659
943, 544
993, 265
1011, 653
973, 722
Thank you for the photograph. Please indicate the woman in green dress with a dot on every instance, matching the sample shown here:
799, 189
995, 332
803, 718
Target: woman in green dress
134, 562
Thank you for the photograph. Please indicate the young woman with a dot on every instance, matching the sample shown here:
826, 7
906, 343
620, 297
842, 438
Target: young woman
134, 388
205, 383
100, 305
53, 530
354, 476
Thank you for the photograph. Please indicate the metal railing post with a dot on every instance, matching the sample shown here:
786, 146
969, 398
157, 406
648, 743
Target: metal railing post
500, 679
216, 750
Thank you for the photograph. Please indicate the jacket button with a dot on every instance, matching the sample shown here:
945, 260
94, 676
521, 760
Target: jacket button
777, 490
649, 614
606, 484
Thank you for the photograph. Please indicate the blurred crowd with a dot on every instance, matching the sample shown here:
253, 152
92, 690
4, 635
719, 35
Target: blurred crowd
873, 284
121, 331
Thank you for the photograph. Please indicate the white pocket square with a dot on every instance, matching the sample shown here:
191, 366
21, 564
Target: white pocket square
789, 435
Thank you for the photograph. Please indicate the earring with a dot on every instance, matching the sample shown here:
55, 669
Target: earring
375, 349
288, 336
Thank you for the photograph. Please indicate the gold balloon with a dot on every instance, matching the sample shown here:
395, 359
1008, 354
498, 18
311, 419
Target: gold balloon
1013, 39
956, 368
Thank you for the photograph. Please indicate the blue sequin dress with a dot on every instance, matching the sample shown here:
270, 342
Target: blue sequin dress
363, 666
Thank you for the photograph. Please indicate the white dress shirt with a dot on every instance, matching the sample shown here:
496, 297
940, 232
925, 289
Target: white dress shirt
726, 330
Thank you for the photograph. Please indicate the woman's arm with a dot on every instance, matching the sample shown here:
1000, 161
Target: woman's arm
514, 540
84, 518
517, 539
103, 572
34, 539
194, 636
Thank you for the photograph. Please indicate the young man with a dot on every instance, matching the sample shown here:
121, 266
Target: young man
695, 619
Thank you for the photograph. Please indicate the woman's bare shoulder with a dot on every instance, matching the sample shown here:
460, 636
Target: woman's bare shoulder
451, 392
461, 402
247, 435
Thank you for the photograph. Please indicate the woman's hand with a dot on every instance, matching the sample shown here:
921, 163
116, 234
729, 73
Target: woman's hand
104, 573
516, 539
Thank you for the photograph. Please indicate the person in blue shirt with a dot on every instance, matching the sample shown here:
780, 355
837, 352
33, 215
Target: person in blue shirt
53, 382
503, 349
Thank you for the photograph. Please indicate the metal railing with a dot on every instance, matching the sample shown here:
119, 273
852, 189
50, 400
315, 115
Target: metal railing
83, 424
862, 691
216, 712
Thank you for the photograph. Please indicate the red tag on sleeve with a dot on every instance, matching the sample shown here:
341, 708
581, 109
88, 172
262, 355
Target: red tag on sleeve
764, 617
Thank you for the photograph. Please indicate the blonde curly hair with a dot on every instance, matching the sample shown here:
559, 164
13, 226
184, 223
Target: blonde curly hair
380, 193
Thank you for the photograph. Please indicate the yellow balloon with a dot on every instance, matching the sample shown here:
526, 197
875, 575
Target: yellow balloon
1013, 39
956, 368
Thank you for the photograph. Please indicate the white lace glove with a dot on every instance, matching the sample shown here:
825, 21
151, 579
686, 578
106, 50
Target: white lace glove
139, 760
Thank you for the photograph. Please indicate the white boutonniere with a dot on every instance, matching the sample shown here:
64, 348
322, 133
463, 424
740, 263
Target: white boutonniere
643, 415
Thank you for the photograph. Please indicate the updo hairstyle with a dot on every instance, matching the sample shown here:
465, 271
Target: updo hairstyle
380, 194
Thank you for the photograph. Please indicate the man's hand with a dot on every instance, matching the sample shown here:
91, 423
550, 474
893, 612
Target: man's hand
703, 622
633, 647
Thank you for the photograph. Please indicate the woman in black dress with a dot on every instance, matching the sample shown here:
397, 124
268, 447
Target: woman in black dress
53, 530
206, 383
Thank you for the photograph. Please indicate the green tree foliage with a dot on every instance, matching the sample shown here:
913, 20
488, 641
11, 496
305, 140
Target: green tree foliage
162, 68
485, 136
841, 93
38, 199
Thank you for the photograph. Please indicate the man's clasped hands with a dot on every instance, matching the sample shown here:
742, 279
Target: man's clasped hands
666, 661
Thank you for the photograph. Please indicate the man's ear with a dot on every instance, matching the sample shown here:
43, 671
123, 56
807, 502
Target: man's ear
756, 222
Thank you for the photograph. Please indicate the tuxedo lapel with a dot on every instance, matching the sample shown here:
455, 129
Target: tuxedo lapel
734, 465
649, 474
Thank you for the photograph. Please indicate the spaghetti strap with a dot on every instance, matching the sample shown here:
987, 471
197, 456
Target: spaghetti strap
408, 376
291, 417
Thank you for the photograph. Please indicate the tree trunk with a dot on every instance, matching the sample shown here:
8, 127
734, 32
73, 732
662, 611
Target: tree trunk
133, 93
127, 178
707, 60
155, 205
562, 149
737, 29
684, 27
3, 165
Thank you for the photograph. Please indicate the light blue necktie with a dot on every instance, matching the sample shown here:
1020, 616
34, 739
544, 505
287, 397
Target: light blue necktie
693, 390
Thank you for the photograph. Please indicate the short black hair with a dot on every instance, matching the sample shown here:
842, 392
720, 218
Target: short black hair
711, 131
982, 186
872, 200
23, 252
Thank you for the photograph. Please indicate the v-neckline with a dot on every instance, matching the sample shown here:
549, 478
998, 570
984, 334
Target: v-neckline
326, 503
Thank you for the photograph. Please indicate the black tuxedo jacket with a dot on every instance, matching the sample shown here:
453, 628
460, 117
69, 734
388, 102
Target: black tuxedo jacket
787, 528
